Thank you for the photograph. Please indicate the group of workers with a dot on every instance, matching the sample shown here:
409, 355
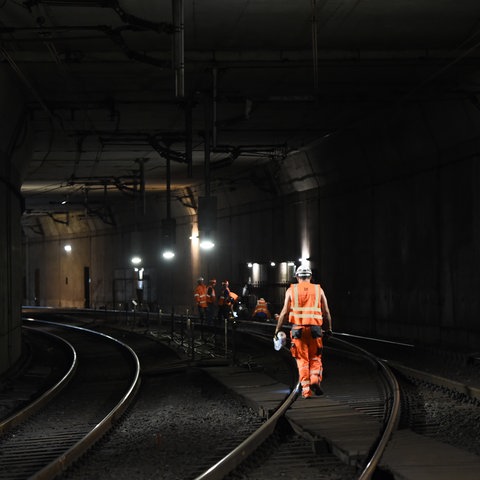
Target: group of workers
305, 308
211, 307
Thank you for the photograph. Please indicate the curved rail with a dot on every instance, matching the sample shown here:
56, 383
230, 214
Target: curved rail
240, 453
393, 417
78, 449
237, 455
47, 396
248, 446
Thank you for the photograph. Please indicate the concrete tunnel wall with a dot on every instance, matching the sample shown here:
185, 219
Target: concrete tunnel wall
387, 210
400, 246
14, 155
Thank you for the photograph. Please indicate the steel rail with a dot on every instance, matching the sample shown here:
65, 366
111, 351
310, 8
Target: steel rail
447, 383
40, 402
233, 459
243, 450
76, 451
240, 453
237, 455
391, 423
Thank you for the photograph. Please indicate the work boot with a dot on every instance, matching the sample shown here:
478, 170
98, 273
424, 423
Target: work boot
306, 392
316, 389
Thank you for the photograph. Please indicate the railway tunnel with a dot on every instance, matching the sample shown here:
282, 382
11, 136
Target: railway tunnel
342, 134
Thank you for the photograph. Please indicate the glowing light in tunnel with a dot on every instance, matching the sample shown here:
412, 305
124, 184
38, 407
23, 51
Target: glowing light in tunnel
207, 244
194, 248
136, 260
305, 240
168, 254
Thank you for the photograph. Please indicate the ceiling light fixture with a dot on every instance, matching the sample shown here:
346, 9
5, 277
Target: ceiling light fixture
136, 260
207, 244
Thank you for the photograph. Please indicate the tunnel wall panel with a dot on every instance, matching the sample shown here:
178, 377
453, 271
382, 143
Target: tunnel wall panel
423, 207
15, 150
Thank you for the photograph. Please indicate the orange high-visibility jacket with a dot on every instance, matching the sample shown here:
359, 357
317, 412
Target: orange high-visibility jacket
227, 297
212, 296
200, 295
261, 307
305, 307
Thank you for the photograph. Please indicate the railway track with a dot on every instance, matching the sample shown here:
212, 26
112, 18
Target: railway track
296, 449
253, 441
49, 363
276, 443
80, 408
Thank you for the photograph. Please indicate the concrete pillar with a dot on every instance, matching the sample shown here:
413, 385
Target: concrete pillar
15, 153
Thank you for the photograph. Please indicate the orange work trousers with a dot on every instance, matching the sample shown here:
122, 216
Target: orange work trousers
307, 352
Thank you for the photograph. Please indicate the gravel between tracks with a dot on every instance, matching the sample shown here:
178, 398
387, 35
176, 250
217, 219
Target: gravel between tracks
446, 417
179, 421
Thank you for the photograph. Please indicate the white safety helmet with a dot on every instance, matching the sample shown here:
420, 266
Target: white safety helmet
303, 272
200, 279
280, 341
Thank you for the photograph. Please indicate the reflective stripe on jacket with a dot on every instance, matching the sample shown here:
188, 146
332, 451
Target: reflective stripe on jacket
305, 307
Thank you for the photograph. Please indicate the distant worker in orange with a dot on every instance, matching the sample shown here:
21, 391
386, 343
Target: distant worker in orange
211, 300
200, 297
226, 300
261, 312
307, 309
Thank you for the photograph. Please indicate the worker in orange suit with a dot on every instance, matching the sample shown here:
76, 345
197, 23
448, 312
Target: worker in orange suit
307, 309
226, 301
200, 297
211, 301
261, 312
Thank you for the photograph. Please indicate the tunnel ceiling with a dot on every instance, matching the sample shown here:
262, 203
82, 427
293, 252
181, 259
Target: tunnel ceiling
144, 95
